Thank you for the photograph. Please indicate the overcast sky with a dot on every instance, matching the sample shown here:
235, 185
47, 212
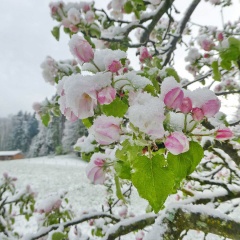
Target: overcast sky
25, 41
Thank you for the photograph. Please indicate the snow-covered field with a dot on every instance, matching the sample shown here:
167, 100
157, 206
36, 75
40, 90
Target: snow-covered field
48, 175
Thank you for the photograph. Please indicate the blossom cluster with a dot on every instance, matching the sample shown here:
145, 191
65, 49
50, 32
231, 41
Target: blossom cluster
72, 15
116, 100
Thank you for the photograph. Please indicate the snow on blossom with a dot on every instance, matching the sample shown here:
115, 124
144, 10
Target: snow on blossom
106, 95
177, 120
49, 204
206, 100
90, 17
80, 93
205, 42
50, 70
177, 143
171, 93
147, 113
131, 81
139, 235
81, 49
85, 144
95, 168
103, 58
186, 105
117, 4
74, 16
144, 54
85, 6
106, 129
193, 55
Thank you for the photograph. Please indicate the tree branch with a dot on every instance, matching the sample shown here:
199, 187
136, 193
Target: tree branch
163, 7
129, 225
84, 218
174, 39
226, 93
201, 218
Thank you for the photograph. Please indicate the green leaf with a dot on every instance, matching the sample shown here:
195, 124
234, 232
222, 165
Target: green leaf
172, 72
87, 122
123, 169
56, 33
128, 7
216, 72
184, 164
58, 236
153, 180
118, 189
150, 89
226, 64
128, 152
234, 42
116, 108
46, 119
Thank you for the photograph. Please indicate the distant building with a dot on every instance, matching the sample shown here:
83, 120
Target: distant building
11, 155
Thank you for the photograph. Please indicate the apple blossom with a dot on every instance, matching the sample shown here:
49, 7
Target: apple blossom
106, 95
90, 16
197, 114
106, 129
206, 43
171, 93
211, 107
80, 93
95, 168
115, 66
177, 143
173, 99
74, 16
144, 54
186, 105
81, 49
147, 113
223, 134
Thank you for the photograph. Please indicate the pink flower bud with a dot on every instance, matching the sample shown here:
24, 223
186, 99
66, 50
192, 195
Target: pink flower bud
114, 66
206, 43
211, 107
73, 28
220, 37
224, 134
123, 211
197, 114
139, 235
95, 168
144, 54
177, 143
81, 49
85, 6
173, 99
106, 130
37, 107
90, 16
106, 95
186, 106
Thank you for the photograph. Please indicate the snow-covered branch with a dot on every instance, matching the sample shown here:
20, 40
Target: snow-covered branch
178, 34
179, 218
84, 218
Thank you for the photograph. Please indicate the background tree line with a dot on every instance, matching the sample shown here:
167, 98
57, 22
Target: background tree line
26, 133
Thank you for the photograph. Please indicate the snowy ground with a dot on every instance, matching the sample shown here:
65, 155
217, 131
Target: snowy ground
48, 175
